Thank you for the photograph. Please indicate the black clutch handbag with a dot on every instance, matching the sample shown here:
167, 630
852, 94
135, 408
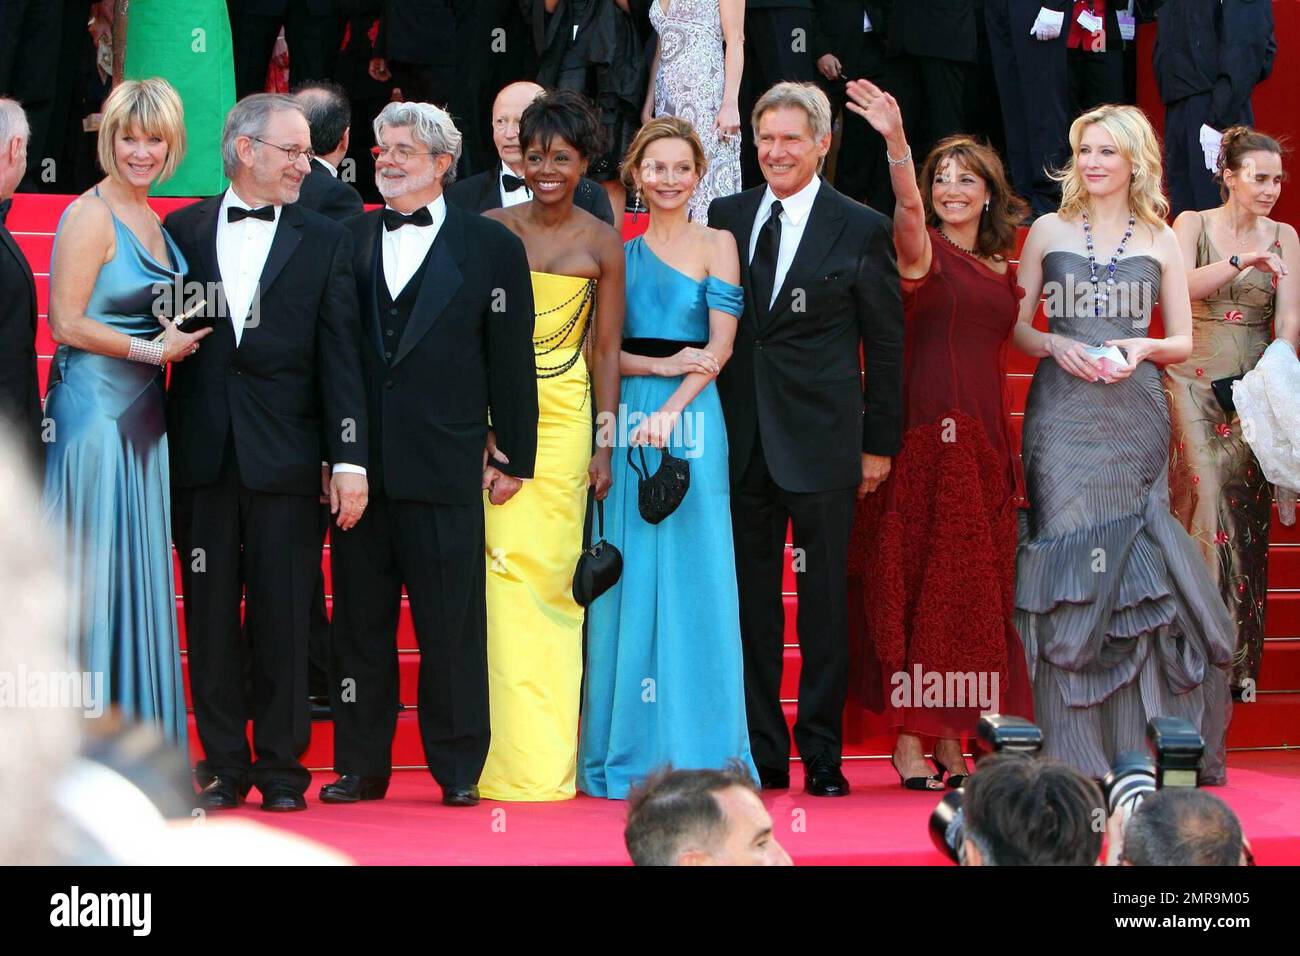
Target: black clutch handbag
1222, 388
658, 495
599, 566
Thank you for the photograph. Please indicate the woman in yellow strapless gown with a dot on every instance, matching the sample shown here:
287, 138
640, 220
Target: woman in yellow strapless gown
534, 539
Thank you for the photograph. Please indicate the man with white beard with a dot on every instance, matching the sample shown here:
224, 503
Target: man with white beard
447, 324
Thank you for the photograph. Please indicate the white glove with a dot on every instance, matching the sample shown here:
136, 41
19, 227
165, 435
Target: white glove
1047, 25
1211, 140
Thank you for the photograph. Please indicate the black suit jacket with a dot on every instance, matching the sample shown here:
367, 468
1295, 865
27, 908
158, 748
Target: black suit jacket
838, 30
291, 393
943, 29
325, 193
466, 353
480, 193
795, 378
20, 394
419, 31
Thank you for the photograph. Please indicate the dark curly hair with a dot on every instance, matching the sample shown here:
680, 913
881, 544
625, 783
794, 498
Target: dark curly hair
566, 114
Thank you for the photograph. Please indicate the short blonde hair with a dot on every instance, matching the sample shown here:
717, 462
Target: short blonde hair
153, 106
1137, 143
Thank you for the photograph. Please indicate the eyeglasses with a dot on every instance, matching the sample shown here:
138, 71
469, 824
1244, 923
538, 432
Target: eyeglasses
399, 154
293, 152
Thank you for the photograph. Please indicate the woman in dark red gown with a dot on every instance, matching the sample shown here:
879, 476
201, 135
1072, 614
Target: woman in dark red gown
932, 562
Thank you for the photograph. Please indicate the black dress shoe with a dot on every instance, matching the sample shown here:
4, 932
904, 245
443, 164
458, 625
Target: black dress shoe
281, 798
352, 788
320, 708
772, 779
221, 793
823, 779
460, 796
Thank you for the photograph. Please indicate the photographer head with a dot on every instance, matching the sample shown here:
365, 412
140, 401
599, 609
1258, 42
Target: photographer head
701, 818
1025, 811
1183, 827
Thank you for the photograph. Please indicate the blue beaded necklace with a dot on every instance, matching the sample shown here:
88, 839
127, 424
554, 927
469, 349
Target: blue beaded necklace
1099, 298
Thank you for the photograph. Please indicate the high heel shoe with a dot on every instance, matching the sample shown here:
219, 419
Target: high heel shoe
955, 780
915, 783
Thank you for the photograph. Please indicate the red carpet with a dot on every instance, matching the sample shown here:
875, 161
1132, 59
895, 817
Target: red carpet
878, 824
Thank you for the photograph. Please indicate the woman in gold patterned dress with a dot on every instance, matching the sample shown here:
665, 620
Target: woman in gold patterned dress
534, 539
1243, 277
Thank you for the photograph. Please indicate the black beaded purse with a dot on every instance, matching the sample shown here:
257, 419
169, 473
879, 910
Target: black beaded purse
599, 566
658, 495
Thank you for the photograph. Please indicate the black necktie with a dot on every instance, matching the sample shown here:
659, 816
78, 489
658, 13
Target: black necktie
762, 268
513, 183
236, 213
4, 210
395, 220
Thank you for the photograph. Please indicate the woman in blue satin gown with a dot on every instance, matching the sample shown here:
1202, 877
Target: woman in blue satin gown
106, 495
664, 681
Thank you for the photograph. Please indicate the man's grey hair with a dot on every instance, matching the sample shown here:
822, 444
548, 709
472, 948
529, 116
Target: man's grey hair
13, 122
805, 96
431, 128
250, 117
1183, 827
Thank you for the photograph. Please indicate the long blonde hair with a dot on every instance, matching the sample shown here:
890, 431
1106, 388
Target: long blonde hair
1137, 143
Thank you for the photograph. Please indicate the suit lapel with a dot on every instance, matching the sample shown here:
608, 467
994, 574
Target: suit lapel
490, 197
205, 244
369, 275
743, 232
10, 243
288, 234
439, 282
825, 222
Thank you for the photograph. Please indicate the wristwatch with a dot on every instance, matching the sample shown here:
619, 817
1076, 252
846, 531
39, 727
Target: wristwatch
1235, 262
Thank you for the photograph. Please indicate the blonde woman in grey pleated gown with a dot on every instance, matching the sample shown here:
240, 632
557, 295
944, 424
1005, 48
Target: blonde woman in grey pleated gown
1119, 619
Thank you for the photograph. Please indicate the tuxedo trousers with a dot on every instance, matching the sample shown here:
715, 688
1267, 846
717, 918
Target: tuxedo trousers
760, 512
236, 543
437, 551
313, 42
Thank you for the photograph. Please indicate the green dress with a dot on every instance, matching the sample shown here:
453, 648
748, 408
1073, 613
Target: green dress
187, 43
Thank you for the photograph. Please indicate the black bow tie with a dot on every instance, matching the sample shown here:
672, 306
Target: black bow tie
396, 220
4, 210
513, 183
236, 213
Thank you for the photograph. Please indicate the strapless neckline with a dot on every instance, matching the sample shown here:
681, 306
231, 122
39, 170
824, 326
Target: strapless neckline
1100, 265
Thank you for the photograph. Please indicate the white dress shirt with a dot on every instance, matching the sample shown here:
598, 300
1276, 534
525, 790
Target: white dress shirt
242, 248
405, 248
794, 216
508, 199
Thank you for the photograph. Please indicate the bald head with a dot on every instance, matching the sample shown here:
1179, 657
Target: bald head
329, 114
14, 133
506, 110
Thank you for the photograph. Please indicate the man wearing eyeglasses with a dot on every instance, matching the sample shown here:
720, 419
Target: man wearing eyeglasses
277, 389
447, 326
503, 186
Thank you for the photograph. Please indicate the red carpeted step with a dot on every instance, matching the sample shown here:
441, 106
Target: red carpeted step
1273, 720
1279, 668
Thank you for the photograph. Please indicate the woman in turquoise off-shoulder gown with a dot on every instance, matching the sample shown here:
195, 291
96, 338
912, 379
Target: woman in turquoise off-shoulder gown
664, 678
106, 493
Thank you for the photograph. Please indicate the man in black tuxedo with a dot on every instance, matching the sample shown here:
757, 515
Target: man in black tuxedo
849, 44
821, 283
503, 185
1027, 40
20, 398
329, 115
417, 48
276, 389
447, 318
779, 39
313, 30
29, 70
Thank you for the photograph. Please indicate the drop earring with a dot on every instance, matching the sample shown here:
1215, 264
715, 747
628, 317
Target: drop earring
636, 204
986, 205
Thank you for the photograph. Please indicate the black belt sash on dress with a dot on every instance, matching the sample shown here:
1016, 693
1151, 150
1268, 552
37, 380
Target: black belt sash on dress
658, 348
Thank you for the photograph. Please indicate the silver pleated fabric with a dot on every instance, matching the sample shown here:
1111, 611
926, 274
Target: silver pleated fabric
1120, 620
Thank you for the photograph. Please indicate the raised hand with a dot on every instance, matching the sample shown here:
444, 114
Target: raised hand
875, 106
